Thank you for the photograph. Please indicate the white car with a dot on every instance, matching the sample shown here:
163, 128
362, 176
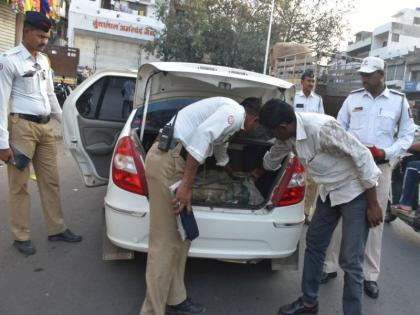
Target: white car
110, 149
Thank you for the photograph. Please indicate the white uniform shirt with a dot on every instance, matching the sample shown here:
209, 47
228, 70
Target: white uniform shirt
341, 166
383, 121
205, 127
32, 95
310, 104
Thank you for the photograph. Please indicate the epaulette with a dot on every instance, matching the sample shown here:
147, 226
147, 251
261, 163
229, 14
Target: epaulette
12, 51
357, 91
396, 92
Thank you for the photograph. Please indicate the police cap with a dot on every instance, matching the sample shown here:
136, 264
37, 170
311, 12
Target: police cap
38, 20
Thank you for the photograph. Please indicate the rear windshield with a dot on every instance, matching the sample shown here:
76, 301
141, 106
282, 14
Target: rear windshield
160, 113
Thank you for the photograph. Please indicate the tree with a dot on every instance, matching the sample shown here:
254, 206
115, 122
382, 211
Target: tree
234, 32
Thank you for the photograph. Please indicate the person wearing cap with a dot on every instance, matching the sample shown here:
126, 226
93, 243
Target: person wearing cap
380, 118
308, 101
27, 93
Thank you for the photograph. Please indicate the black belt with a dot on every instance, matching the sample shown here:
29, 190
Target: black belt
382, 162
34, 118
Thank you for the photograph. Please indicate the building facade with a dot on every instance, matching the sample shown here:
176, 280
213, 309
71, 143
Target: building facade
112, 34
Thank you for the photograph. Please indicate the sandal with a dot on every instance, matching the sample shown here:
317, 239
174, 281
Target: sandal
397, 209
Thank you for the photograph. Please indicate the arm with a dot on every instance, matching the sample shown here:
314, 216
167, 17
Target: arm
6, 82
184, 191
276, 154
343, 116
374, 211
415, 147
55, 106
405, 134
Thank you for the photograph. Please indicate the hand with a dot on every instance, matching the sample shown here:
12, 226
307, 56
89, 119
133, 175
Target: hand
6, 155
374, 215
378, 154
256, 173
182, 199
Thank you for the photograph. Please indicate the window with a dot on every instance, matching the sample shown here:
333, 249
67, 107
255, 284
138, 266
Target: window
118, 99
385, 43
110, 98
415, 76
416, 20
88, 101
395, 37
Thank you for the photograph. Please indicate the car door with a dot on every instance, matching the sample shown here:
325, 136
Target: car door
93, 117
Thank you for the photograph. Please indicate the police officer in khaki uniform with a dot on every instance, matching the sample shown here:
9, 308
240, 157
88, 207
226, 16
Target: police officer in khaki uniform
27, 93
201, 130
380, 118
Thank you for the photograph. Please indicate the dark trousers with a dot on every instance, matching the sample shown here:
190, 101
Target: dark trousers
355, 232
411, 178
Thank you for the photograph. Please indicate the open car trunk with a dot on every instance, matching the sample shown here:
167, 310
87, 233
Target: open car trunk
164, 88
214, 187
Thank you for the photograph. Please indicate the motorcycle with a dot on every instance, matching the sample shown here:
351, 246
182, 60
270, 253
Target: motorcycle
392, 213
62, 90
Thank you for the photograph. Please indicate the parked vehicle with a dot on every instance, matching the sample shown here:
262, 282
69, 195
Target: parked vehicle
62, 90
111, 149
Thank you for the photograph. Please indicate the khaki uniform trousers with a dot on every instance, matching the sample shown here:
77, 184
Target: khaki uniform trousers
311, 194
167, 253
38, 142
372, 259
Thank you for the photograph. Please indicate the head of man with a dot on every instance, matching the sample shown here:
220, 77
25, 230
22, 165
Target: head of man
36, 31
307, 81
279, 118
252, 107
373, 75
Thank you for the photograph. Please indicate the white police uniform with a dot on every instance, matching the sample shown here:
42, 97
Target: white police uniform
27, 92
205, 127
385, 122
26, 86
309, 104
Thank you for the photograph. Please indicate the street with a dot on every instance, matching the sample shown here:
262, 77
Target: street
72, 278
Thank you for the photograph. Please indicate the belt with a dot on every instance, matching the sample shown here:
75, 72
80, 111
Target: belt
382, 162
34, 118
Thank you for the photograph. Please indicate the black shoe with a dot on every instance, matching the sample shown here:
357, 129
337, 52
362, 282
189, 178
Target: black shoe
66, 236
298, 307
327, 276
371, 289
25, 247
187, 307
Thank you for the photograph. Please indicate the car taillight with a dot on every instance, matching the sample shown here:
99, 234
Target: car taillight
291, 189
127, 167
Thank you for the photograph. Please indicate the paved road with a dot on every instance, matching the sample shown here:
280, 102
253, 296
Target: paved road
72, 279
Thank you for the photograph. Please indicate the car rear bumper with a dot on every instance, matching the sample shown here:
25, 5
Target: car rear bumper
244, 235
